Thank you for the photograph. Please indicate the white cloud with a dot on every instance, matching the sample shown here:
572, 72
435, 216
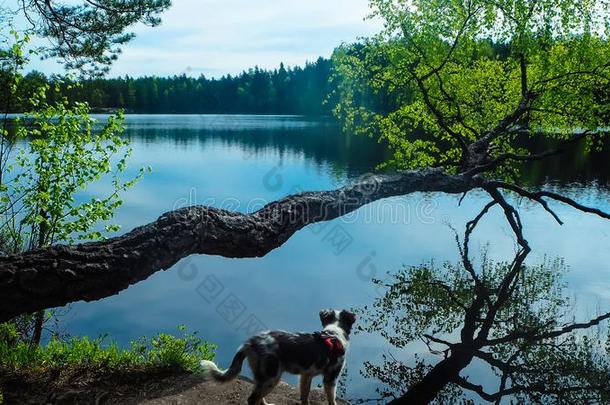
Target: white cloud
227, 36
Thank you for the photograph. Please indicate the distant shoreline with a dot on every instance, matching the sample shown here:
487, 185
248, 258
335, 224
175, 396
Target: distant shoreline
111, 110
108, 111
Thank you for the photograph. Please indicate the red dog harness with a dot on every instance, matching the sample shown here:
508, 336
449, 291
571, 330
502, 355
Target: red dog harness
333, 344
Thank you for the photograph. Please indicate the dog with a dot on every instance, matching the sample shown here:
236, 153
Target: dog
272, 353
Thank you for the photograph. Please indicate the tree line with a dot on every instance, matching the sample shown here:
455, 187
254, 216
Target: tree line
297, 90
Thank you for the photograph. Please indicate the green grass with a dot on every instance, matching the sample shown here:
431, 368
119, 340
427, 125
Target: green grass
164, 351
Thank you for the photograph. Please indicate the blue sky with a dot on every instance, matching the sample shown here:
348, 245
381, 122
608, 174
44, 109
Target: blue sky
215, 37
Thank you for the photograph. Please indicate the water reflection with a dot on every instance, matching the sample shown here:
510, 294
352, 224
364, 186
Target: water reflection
323, 142
520, 343
578, 165
258, 137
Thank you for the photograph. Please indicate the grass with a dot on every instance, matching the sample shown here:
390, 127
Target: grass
179, 353
86, 364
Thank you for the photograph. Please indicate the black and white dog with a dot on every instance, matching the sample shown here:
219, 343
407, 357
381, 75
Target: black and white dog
307, 354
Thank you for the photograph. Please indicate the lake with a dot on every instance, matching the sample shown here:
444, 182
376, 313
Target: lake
242, 162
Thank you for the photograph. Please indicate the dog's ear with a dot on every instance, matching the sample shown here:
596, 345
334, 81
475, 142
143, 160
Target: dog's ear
348, 317
327, 316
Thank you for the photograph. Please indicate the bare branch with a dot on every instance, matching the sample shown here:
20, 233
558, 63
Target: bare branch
439, 341
518, 389
511, 214
534, 335
478, 389
464, 252
539, 195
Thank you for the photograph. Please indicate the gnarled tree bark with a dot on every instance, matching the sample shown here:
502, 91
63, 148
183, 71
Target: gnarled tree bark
62, 274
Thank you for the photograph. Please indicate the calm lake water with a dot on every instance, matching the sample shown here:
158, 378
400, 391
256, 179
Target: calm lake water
242, 162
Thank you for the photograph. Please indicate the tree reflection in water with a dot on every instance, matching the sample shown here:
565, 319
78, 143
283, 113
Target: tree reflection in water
513, 318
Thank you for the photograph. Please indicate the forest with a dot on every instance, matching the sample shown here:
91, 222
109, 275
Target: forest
312, 90
298, 91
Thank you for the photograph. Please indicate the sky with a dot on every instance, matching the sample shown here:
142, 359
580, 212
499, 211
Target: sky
216, 37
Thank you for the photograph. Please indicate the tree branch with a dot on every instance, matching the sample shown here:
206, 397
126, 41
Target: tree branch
534, 336
496, 162
539, 195
62, 274
440, 118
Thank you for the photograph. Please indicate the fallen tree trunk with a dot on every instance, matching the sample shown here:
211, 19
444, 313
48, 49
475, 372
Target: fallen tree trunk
62, 274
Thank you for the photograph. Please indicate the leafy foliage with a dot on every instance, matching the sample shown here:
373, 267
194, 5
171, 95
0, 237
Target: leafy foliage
48, 159
65, 153
53, 153
87, 35
182, 352
416, 302
12, 60
464, 70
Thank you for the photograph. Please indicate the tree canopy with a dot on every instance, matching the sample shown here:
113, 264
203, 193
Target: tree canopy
478, 77
86, 35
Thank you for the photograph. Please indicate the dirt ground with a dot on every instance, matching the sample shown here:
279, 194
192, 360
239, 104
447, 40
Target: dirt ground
235, 392
151, 390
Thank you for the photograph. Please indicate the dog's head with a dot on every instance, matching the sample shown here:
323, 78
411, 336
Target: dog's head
343, 319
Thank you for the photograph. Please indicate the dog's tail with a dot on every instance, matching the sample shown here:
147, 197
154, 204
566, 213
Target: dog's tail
212, 372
